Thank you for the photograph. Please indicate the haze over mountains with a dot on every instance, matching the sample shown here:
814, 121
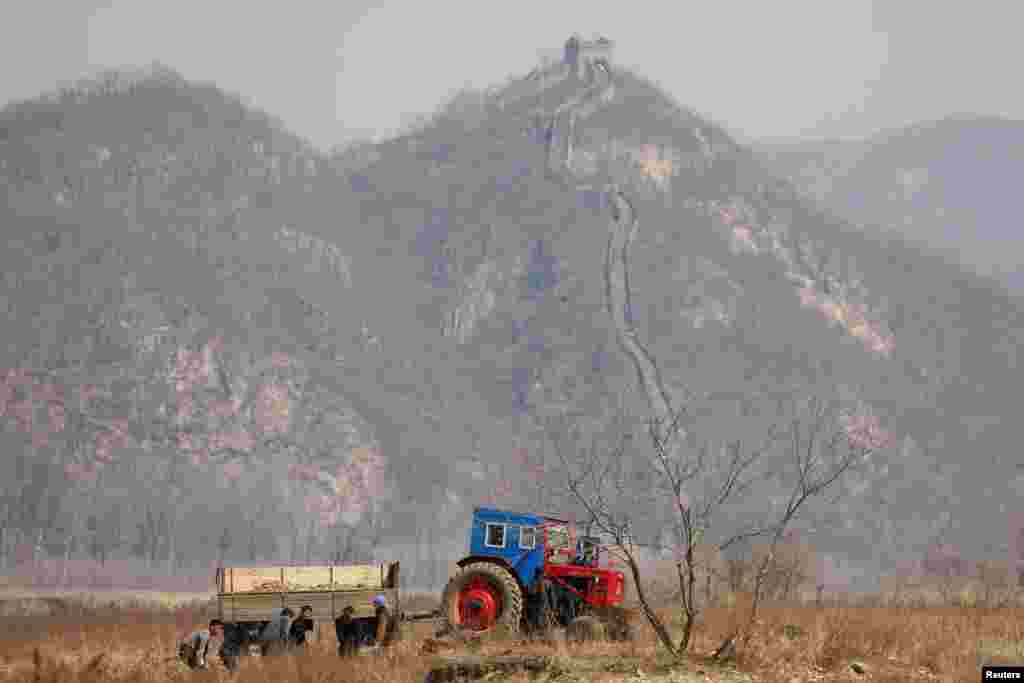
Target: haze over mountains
944, 183
436, 293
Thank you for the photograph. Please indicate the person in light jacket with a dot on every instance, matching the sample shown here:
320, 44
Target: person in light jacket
196, 649
386, 630
274, 637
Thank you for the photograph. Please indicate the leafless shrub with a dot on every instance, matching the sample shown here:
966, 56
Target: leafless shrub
798, 448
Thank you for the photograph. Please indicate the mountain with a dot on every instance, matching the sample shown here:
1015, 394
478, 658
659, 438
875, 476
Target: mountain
944, 183
436, 295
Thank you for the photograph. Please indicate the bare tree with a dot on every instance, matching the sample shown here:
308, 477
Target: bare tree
805, 446
253, 545
996, 584
827, 577
151, 541
823, 444
343, 545
791, 569
947, 568
224, 544
95, 546
737, 574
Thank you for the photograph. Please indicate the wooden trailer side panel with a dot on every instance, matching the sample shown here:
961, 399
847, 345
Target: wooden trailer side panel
249, 579
299, 579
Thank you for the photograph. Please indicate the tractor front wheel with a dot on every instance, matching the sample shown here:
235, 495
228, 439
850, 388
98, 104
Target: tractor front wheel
483, 596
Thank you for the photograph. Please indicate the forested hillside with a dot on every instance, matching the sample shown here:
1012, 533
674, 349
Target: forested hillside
226, 345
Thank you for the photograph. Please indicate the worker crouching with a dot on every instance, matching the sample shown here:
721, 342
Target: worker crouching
197, 649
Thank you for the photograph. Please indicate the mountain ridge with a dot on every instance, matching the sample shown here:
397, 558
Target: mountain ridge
455, 221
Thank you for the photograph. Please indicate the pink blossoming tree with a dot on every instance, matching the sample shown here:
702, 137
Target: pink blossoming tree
817, 287
216, 412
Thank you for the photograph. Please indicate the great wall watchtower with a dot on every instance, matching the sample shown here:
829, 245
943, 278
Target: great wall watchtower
580, 54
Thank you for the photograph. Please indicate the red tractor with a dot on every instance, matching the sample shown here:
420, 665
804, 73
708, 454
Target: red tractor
527, 572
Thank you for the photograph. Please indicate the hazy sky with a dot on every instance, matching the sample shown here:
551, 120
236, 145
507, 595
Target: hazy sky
331, 69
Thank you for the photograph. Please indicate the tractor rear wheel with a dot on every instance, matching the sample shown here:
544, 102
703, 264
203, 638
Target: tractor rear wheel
482, 596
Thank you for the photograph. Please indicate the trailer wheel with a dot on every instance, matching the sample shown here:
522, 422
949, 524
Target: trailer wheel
482, 596
585, 629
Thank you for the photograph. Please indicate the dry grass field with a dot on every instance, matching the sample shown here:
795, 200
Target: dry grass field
119, 637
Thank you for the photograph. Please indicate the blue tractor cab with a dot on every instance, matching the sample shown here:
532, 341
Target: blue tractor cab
515, 539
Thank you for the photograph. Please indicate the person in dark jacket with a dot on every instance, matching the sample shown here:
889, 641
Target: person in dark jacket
347, 630
231, 649
536, 612
301, 627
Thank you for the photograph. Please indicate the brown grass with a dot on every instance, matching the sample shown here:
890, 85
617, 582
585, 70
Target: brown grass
89, 640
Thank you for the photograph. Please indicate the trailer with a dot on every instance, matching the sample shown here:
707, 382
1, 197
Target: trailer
251, 596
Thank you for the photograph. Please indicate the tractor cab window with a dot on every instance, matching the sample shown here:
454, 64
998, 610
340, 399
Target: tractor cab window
527, 537
495, 536
587, 551
558, 542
